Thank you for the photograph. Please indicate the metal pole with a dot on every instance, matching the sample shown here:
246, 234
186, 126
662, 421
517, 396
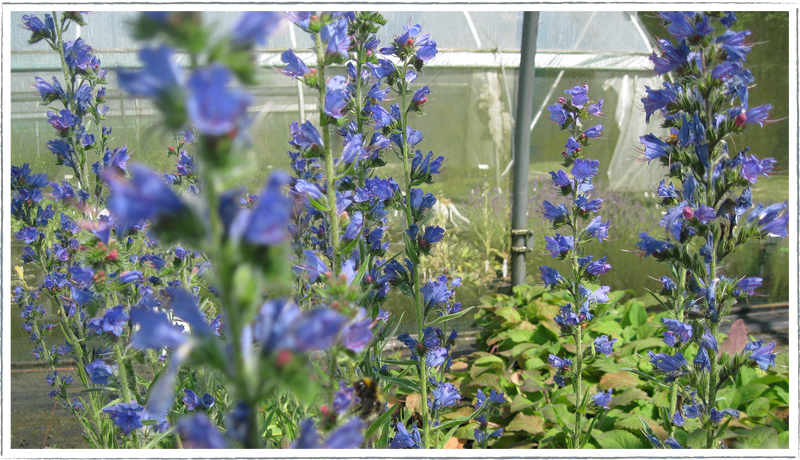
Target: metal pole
522, 147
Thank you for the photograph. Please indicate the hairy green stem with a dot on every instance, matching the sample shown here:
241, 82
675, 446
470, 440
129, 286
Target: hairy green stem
330, 173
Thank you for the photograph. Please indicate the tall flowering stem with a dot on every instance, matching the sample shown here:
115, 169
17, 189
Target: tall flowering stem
570, 113
711, 216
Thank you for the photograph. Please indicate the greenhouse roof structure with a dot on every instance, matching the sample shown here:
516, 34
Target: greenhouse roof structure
566, 39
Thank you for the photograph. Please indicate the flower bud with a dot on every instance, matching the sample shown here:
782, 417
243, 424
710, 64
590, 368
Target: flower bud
688, 213
741, 119
283, 358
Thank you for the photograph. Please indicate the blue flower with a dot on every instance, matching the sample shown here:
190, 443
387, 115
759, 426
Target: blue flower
215, 109
733, 43
584, 169
598, 267
550, 276
126, 415
266, 224
34, 24
560, 179
559, 244
156, 331
357, 334
256, 26
145, 196
679, 329
336, 98
658, 99
406, 440
603, 398
761, 354
652, 246
159, 76
585, 206
112, 322
672, 443
494, 398
653, 147
673, 57
667, 363
198, 432
444, 395
99, 372
702, 361
343, 398
335, 38
555, 213
594, 132
752, 167
579, 96
48, 91
597, 229
191, 400
604, 346
717, 415
557, 114
295, 67
556, 362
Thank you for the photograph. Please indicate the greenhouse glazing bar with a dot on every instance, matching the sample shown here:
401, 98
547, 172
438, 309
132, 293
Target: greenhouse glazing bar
522, 145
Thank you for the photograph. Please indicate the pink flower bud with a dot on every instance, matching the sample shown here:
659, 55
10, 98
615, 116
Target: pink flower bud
741, 119
688, 213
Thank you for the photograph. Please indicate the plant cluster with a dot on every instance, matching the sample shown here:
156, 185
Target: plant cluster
263, 360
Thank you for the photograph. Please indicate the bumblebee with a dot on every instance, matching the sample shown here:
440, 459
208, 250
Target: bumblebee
371, 400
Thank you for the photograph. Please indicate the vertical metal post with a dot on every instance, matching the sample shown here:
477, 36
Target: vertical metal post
522, 147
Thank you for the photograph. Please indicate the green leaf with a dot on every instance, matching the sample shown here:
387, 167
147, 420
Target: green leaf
542, 335
532, 424
456, 422
752, 391
382, 421
520, 336
628, 396
618, 439
647, 376
405, 383
618, 380
762, 437
520, 402
444, 318
636, 316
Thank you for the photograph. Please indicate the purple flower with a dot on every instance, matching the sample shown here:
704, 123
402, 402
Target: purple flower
301, 18
266, 224
198, 432
295, 67
336, 98
357, 334
597, 228
652, 246
598, 267
572, 145
313, 266
585, 206
604, 346
569, 318
34, 24
705, 214
761, 354
444, 395
603, 398
343, 398
335, 38
584, 169
353, 229
347, 436
709, 341
406, 440
672, 443
215, 109
717, 415
758, 115
99, 372
145, 196
679, 329
560, 179
126, 415
666, 363
653, 147
678, 419
702, 361
48, 91
436, 292
579, 97
673, 57
191, 400
752, 167
559, 244
594, 132
749, 285
155, 331
559, 363
256, 27
554, 213
159, 76
550, 276
733, 43
112, 322
658, 99
557, 114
